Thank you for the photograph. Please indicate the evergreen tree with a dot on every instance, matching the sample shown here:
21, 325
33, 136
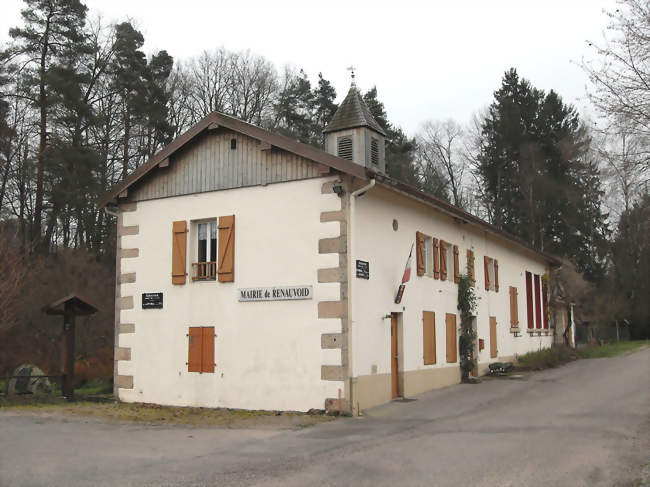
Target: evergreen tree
538, 180
158, 129
294, 109
128, 69
324, 105
400, 149
51, 27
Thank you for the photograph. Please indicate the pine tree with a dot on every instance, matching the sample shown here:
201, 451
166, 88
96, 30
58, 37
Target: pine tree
324, 106
537, 177
158, 129
50, 27
400, 149
128, 69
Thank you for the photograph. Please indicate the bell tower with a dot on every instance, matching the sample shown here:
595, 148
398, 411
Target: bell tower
354, 134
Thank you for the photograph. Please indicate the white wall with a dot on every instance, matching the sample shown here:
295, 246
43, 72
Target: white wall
387, 250
268, 354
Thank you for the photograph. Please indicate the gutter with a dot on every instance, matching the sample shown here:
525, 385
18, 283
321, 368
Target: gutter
353, 196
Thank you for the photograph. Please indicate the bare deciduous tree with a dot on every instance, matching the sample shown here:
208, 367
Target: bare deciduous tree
621, 74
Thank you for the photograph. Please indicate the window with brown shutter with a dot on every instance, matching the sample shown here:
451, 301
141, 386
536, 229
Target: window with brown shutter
436, 259
443, 260
529, 300
470, 266
486, 269
450, 323
538, 303
496, 275
226, 249
201, 349
493, 337
514, 312
179, 251
419, 253
429, 337
456, 269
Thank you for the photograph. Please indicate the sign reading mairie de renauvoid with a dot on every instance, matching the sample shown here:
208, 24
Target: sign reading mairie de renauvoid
278, 293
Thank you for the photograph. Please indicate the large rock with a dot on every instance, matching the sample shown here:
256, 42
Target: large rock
27, 383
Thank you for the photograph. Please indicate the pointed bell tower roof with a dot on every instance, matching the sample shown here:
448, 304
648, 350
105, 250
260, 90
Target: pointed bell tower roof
353, 112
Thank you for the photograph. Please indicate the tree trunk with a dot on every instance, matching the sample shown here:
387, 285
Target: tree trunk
127, 135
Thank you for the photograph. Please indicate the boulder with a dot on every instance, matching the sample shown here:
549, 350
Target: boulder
27, 383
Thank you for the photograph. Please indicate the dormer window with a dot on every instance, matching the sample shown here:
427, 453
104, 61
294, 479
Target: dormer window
344, 147
374, 151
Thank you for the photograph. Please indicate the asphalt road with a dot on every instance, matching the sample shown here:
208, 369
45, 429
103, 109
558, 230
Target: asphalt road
584, 424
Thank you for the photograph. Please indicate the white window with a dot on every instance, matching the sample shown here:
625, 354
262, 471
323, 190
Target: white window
491, 274
449, 260
428, 256
205, 266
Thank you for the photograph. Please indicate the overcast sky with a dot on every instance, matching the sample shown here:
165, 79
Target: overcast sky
444, 61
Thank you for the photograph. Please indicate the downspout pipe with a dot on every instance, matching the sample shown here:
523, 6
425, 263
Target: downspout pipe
353, 196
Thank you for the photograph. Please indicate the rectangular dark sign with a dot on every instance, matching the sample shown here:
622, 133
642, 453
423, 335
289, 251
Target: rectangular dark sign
363, 269
152, 300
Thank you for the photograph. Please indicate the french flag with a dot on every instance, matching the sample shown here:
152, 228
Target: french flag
407, 270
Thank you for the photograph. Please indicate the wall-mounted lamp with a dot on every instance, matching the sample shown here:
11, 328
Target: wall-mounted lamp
339, 190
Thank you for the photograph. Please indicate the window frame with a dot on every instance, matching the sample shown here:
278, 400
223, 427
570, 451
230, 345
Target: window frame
205, 270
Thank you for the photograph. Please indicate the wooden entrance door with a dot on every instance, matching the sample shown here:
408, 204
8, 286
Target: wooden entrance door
493, 337
394, 355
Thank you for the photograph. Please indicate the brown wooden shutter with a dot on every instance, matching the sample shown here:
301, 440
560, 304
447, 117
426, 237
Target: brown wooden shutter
470, 266
436, 259
514, 311
493, 337
538, 304
207, 349
419, 253
179, 252
443, 260
429, 337
496, 275
226, 249
452, 353
195, 346
486, 268
456, 269
529, 300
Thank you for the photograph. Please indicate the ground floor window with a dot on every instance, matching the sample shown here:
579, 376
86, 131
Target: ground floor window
200, 355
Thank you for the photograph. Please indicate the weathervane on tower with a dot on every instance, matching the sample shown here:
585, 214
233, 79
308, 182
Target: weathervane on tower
352, 69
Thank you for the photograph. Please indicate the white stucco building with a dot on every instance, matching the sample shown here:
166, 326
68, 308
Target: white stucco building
257, 272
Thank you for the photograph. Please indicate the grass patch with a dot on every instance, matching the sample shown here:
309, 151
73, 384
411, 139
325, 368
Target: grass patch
612, 349
106, 409
546, 358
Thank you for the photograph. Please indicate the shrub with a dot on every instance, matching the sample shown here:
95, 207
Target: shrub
546, 358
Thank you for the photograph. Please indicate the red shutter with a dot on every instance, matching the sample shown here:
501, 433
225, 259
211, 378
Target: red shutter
538, 304
496, 275
195, 339
419, 253
207, 349
226, 249
486, 268
529, 299
456, 270
436, 259
179, 251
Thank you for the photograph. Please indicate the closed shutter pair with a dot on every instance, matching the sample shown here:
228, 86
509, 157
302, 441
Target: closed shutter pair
439, 258
225, 247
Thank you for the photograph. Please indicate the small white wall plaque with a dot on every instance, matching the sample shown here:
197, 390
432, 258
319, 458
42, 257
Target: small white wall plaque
278, 293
